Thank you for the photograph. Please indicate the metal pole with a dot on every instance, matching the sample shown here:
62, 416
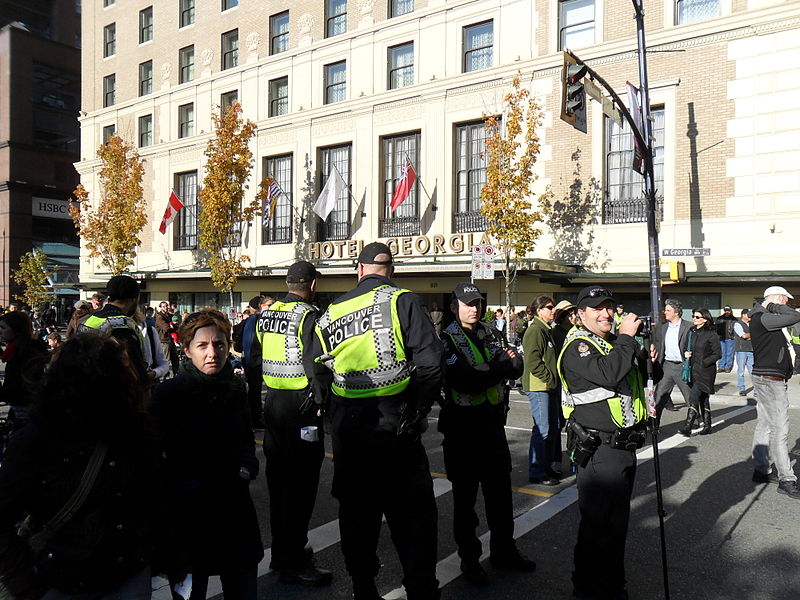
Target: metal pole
655, 268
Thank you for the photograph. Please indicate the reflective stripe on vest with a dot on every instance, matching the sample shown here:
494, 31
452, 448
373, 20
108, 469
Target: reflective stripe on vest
278, 329
626, 404
474, 357
105, 325
364, 344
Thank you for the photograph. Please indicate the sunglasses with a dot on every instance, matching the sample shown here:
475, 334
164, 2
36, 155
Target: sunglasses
599, 293
698, 317
549, 307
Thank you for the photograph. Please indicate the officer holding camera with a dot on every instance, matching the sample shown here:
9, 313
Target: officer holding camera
604, 401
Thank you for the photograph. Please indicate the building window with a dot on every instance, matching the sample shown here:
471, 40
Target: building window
227, 100
401, 65
337, 225
279, 228
186, 8
186, 120
335, 17
185, 223
186, 64
575, 23
689, 11
396, 151
109, 40
400, 7
107, 3
145, 130
226, 4
478, 41
335, 82
278, 96
470, 177
279, 33
146, 25
146, 78
108, 131
230, 49
624, 190
109, 90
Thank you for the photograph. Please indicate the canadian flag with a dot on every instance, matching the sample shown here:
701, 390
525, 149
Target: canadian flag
403, 188
173, 206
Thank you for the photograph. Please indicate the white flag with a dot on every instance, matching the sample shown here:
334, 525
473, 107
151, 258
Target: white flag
327, 198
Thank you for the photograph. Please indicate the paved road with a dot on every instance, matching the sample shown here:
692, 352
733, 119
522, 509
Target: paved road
727, 538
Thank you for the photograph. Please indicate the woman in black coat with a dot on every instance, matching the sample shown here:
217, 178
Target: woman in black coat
703, 355
25, 359
90, 399
204, 427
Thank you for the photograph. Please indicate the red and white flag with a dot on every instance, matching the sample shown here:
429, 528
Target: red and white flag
403, 188
173, 206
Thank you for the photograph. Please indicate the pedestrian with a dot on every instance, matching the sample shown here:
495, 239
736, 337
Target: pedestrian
772, 369
243, 336
541, 385
88, 431
371, 340
157, 363
472, 420
513, 337
500, 322
437, 316
564, 320
54, 341
203, 426
703, 353
165, 327
670, 339
83, 308
619, 314
293, 434
115, 319
724, 324
25, 358
604, 403
743, 350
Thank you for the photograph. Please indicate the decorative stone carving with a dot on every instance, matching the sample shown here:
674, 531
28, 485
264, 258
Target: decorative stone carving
366, 6
166, 71
304, 23
253, 40
206, 56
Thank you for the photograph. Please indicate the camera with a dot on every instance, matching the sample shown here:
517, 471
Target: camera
647, 325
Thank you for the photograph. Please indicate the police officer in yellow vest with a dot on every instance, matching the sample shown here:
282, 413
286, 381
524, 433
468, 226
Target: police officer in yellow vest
472, 420
382, 373
603, 400
115, 319
293, 435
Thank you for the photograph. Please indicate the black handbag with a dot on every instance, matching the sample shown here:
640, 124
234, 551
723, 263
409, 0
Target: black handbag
686, 369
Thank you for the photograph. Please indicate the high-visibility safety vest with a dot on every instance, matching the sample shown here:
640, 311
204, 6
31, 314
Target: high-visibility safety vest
626, 404
475, 357
363, 345
106, 325
278, 329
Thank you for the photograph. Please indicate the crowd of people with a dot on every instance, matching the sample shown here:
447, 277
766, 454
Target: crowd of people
149, 474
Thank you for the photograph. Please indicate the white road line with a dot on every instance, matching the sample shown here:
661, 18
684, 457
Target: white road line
448, 569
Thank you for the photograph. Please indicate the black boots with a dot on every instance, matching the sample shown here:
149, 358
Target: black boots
705, 406
691, 416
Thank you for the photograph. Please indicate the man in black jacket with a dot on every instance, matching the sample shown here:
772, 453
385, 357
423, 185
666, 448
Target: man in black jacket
725, 323
472, 420
772, 369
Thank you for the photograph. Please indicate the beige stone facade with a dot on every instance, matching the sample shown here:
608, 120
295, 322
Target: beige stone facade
727, 89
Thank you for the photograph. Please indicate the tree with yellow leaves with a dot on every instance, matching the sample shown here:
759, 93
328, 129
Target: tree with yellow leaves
110, 230
512, 147
222, 210
32, 276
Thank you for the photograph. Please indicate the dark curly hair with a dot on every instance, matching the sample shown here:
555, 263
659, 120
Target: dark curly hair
91, 386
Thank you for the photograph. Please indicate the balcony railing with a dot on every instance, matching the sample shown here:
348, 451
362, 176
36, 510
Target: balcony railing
629, 210
332, 231
278, 235
399, 226
469, 221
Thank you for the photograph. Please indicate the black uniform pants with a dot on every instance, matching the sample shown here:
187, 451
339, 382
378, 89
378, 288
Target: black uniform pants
254, 381
476, 454
292, 471
377, 473
604, 502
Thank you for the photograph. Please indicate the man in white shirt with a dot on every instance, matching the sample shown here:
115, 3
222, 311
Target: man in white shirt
671, 342
743, 350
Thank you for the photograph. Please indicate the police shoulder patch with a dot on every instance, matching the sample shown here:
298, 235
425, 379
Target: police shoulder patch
583, 349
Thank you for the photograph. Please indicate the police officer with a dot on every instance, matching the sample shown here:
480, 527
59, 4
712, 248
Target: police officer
115, 319
603, 400
384, 370
472, 420
293, 441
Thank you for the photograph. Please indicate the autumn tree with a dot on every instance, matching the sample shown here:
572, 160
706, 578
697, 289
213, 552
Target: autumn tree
222, 210
32, 277
512, 147
110, 229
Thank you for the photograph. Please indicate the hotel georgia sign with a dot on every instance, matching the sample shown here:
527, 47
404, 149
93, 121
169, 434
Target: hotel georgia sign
421, 245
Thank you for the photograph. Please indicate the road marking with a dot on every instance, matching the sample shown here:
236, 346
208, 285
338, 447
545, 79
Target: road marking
449, 568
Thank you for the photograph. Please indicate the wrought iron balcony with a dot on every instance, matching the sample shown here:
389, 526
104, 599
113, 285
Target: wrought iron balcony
469, 221
331, 231
278, 235
630, 210
399, 226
